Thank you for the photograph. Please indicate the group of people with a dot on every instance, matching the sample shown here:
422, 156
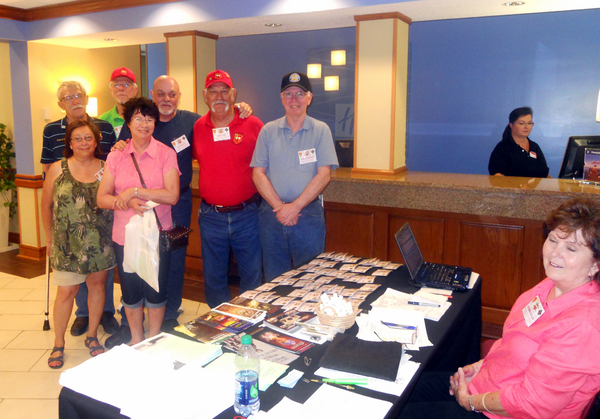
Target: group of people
262, 184
260, 188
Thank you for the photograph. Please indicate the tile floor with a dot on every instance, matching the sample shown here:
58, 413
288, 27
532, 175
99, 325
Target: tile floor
28, 388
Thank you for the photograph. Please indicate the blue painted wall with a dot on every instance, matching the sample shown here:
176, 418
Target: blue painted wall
468, 74
466, 77
156, 57
257, 63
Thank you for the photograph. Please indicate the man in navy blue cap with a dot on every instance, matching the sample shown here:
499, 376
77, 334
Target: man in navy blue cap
292, 165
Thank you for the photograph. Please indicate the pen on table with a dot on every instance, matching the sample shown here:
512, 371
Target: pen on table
398, 326
418, 303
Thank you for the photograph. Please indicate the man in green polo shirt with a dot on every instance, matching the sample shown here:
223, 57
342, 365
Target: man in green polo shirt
122, 88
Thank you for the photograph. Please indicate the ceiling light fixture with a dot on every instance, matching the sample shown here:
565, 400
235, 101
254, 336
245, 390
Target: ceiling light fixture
272, 25
111, 39
514, 3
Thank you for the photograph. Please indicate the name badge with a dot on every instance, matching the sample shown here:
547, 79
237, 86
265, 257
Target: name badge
221, 134
533, 311
99, 174
532, 155
118, 130
307, 156
180, 143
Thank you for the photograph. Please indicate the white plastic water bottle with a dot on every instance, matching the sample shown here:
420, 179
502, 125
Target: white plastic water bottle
247, 367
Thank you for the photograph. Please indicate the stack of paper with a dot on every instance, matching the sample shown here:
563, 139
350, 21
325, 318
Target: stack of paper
396, 299
268, 374
372, 329
182, 351
329, 402
157, 391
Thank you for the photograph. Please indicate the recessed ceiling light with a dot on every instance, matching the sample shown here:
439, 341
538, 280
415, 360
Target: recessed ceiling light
272, 25
514, 3
110, 39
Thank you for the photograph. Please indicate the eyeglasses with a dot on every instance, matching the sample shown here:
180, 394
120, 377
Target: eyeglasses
70, 98
299, 95
139, 120
171, 95
87, 138
124, 85
522, 124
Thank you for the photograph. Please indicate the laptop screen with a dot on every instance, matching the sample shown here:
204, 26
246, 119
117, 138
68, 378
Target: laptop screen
409, 249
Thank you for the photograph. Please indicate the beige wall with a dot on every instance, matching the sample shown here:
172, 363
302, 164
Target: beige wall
180, 66
49, 65
374, 110
206, 61
400, 102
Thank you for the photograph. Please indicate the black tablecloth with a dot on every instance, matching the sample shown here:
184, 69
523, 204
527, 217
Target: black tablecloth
456, 339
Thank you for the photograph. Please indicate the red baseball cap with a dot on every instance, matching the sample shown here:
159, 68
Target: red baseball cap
218, 75
122, 72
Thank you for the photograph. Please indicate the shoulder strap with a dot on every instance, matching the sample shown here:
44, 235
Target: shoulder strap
144, 185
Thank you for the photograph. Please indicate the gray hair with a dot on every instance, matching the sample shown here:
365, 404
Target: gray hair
71, 84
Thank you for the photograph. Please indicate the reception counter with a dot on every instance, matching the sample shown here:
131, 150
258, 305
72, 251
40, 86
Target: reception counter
492, 224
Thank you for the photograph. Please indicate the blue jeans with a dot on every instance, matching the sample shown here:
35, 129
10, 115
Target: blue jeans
82, 296
282, 244
219, 232
182, 214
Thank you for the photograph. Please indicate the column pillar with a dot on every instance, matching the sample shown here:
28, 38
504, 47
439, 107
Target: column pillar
381, 93
191, 55
29, 185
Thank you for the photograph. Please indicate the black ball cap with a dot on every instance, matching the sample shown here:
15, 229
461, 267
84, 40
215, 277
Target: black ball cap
296, 79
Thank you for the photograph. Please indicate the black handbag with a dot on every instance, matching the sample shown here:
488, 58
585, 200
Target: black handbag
174, 238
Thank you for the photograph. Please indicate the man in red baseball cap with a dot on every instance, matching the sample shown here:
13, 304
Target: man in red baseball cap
122, 88
223, 145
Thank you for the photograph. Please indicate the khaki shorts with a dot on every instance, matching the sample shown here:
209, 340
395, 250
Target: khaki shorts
65, 279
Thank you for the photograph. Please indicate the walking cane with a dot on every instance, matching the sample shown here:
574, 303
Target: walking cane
47, 322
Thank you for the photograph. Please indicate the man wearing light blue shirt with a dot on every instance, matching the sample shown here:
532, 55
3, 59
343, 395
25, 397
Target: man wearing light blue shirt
292, 165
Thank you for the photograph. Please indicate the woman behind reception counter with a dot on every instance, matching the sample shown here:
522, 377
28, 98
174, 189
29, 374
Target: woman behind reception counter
516, 154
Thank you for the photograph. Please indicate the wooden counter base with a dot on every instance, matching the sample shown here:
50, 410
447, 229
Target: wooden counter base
506, 252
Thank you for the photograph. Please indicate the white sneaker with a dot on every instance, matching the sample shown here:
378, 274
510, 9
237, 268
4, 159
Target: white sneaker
180, 310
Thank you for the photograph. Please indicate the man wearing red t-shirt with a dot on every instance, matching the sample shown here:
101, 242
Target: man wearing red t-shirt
223, 145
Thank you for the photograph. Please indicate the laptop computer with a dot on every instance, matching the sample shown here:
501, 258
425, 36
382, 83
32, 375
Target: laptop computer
424, 274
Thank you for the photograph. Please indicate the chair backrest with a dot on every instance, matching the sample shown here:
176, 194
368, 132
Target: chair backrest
594, 409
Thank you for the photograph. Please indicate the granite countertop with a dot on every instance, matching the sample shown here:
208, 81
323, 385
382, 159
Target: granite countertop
515, 197
497, 196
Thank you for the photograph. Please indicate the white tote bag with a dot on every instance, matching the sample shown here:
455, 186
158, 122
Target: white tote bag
141, 252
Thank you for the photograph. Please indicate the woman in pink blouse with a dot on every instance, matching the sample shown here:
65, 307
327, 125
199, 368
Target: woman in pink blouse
546, 363
121, 190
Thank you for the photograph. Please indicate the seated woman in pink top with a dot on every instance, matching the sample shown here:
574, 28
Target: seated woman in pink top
546, 364
121, 190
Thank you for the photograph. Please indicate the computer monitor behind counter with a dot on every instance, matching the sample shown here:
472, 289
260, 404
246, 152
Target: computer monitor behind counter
574, 158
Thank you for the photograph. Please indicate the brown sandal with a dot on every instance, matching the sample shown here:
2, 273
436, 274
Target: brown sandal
94, 350
59, 359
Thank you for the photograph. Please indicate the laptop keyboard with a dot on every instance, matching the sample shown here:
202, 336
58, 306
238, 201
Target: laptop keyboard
441, 274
